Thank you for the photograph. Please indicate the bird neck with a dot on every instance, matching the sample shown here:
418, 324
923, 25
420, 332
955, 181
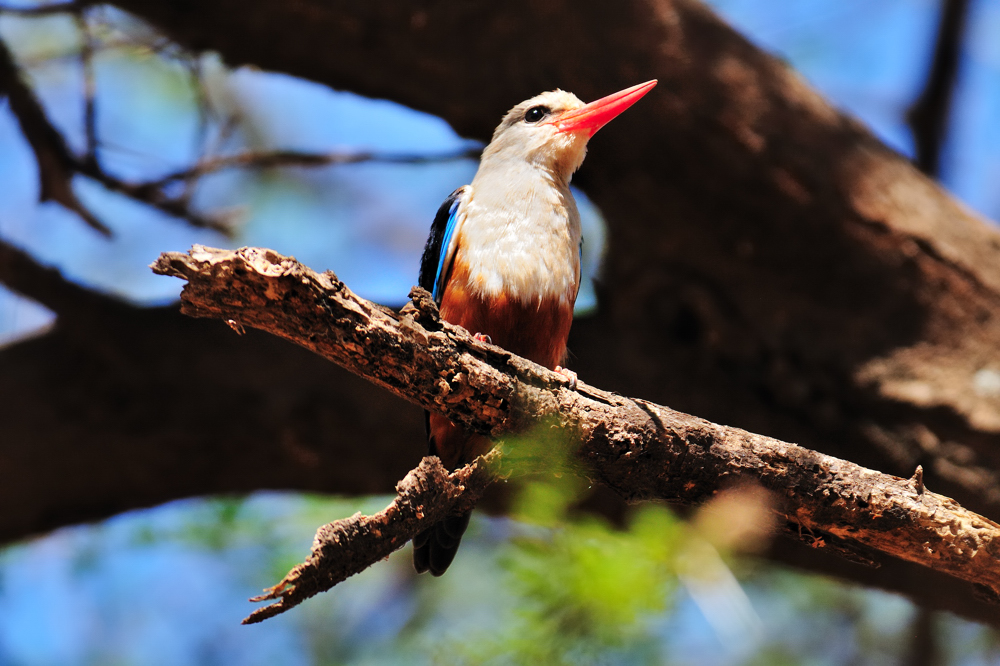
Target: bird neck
557, 154
517, 176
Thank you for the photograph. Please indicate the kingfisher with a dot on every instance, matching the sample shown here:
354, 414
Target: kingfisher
503, 260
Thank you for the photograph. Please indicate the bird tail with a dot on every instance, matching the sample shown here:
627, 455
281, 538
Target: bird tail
435, 548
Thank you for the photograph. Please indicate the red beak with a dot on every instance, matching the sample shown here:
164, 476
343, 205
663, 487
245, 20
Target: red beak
592, 117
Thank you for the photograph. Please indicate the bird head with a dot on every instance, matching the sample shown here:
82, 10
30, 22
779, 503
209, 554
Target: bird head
551, 130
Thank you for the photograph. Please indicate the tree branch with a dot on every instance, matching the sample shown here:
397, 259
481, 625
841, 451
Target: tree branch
295, 158
75, 6
928, 117
21, 273
89, 92
343, 548
56, 165
639, 449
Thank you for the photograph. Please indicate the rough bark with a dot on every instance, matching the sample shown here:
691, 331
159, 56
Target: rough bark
345, 547
639, 449
232, 414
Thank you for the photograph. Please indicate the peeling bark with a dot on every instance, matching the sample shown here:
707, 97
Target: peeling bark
639, 449
346, 547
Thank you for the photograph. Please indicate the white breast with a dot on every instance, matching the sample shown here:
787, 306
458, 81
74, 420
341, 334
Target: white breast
521, 237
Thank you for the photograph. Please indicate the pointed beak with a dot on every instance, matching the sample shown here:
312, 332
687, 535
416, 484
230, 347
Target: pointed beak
592, 117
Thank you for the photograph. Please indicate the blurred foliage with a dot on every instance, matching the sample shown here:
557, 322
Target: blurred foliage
587, 588
584, 587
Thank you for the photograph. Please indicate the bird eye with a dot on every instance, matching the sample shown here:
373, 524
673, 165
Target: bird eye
536, 113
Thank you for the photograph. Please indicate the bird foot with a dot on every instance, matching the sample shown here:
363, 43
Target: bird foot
483, 338
568, 374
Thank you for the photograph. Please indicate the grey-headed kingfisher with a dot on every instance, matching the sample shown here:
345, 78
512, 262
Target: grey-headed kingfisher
503, 259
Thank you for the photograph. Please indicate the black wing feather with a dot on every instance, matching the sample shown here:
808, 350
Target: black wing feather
432, 250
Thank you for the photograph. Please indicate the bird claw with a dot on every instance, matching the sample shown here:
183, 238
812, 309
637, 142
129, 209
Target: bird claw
479, 337
568, 374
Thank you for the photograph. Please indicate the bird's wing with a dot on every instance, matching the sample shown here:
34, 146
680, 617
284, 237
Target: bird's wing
439, 252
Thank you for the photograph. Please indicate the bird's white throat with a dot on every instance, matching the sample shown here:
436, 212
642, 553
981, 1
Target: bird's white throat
522, 236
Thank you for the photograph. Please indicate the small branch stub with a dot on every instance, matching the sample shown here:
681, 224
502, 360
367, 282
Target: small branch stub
918, 479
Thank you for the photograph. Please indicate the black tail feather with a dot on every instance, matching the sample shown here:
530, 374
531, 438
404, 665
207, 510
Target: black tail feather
422, 551
435, 548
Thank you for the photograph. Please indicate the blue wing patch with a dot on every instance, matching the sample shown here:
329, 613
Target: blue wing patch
449, 231
436, 261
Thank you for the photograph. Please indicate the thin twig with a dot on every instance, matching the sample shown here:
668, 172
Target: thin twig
203, 146
57, 165
924, 648
155, 197
61, 54
89, 86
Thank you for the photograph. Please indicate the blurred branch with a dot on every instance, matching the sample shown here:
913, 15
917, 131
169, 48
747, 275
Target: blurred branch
56, 165
639, 449
21, 273
89, 87
69, 54
174, 206
346, 547
928, 117
294, 158
203, 146
53, 8
923, 649
153, 192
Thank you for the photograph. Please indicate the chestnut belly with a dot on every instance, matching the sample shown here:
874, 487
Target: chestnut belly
536, 330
